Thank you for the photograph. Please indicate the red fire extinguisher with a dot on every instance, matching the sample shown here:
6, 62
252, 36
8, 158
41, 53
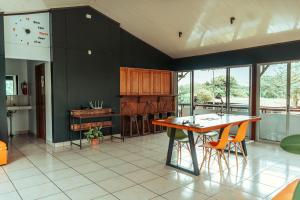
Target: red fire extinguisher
24, 87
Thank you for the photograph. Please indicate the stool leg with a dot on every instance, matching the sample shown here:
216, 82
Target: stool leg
148, 126
143, 126
130, 127
137, 127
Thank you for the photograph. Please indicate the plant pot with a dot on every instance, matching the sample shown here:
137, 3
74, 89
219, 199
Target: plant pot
95, 141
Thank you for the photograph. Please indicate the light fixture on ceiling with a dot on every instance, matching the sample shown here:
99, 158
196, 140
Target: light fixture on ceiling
232, 20
179, 34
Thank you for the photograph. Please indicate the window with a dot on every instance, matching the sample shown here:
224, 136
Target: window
11, 85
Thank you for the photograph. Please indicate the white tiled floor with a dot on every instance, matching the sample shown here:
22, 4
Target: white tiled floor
135, 170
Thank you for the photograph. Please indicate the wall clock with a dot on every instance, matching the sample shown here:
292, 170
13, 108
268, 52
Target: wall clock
32, 29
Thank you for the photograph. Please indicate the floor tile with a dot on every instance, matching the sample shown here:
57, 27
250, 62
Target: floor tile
86, 168
135, 193
77, 162
10, 196
72, 182
207, 187
184, 194
144, 163
116, 184
180, 178
86, 192
23, 173
30, 181
59, 196
141, 176
107, 197
52, 167
233, 194
39, 191
61, 174
99, 157
6, 187
111, 162
101, 175
255, 188
270, 180
131, 157
160, 185
124, 168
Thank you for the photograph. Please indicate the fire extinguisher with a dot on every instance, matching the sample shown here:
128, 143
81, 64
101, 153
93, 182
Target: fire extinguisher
24, 87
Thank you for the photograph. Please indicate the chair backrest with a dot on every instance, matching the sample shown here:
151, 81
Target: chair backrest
224, 138
179, 134
241, 133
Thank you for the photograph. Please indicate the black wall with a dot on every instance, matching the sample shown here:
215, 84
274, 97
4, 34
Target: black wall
136, 53
262, 54
3, 121
78, 77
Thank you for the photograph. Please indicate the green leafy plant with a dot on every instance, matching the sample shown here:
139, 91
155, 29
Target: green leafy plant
94, 133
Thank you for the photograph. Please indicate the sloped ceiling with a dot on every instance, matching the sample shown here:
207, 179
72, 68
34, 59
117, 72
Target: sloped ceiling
205, 24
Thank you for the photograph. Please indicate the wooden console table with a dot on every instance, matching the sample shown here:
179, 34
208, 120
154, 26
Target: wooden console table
83, 120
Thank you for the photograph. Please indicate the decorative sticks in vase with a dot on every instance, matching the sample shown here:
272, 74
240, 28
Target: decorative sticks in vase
96, 104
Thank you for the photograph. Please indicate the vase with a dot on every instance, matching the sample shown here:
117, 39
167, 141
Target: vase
95, 141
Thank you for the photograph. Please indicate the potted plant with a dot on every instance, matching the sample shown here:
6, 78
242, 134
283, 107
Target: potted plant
93, 135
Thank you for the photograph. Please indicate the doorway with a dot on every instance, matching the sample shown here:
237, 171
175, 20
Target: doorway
40, 101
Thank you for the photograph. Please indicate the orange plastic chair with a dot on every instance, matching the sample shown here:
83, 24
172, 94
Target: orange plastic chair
219, 147
237, 141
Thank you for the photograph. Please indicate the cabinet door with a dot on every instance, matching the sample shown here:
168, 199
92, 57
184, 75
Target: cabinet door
156, 77
133, 82
166, 83
123, 81
145, 82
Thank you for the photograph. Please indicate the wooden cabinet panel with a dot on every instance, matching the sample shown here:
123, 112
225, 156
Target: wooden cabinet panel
166, 83
156, 86
145, 82
132, 81
135, 81
123, 81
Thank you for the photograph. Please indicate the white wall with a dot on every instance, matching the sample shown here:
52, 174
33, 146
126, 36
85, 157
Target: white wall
20, 122
34, 45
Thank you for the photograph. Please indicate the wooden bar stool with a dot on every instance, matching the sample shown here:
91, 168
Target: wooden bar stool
156, 128
145, 123
133, 120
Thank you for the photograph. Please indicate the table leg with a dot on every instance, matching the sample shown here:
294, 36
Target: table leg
244, 147
193, 153
171, 145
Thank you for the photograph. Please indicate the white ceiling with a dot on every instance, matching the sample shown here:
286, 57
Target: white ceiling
205, 23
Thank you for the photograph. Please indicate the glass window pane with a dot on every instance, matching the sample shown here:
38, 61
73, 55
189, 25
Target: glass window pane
184, 93
208, 84
273, 100
294, 116
239, 89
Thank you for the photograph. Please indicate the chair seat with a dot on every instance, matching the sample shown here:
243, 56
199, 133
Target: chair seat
211, 133
210, 144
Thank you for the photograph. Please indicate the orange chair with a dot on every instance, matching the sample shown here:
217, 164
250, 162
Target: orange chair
3, 153
219, 147
237, 141
290, 192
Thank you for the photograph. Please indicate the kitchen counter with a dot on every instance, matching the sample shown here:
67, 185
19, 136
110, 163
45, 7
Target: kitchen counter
16, 108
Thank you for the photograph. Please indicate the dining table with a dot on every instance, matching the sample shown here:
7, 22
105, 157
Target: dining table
199, 124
